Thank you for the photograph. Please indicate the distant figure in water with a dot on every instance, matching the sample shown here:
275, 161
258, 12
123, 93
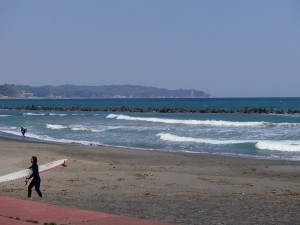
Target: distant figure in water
23, 131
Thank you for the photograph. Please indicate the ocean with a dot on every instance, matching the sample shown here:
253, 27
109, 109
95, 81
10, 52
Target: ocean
272, 136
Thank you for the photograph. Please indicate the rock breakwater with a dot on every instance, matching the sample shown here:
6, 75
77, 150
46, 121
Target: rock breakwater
156, 110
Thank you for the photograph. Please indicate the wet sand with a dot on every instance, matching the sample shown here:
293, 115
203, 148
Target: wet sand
179, 188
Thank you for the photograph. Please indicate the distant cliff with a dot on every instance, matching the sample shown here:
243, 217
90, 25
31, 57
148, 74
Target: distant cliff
105, 91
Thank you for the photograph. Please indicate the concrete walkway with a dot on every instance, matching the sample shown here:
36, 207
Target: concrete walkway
25, 212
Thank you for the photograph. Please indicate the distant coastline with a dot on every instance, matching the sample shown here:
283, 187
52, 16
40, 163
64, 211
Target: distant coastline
94, 92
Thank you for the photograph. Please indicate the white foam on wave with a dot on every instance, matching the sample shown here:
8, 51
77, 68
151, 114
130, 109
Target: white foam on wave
79, 128
175, 138
284, 145
216, 123
100, 130
10, 130
58, 114
4, 115
94, 129
83, 128
34, 114
287, 125
112, 116
55, 126
68, 141
15, 131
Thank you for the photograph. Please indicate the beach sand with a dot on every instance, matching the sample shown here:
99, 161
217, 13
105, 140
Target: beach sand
179, 188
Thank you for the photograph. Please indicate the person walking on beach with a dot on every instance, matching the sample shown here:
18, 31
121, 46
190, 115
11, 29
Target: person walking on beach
23, 131
36, 181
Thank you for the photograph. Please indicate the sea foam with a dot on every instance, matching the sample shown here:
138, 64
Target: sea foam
175, 138
34, 114
55, 126
79, 128
58, 114
284, 146
215, 123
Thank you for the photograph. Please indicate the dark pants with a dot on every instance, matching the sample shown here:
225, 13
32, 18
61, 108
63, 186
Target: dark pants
36, 184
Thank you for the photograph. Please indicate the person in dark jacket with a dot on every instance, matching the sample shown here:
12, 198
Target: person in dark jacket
36, 181
23, 131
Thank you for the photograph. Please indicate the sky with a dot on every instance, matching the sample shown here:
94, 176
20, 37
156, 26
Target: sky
229, 48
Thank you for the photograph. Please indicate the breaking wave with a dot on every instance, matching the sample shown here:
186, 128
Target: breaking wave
58, 114
284, 146
215, 123
175, 138
34, 114
55, 126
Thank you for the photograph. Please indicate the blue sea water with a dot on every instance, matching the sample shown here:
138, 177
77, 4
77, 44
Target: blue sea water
244, 135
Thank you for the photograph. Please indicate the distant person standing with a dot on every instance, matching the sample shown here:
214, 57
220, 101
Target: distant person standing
23, 131
36, 181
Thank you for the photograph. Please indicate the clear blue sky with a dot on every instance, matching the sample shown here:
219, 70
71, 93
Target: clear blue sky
229, 48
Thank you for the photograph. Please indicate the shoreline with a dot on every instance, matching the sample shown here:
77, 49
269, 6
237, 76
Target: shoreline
180, 188
13, 137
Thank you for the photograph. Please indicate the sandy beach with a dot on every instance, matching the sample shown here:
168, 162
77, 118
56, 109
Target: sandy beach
178, 188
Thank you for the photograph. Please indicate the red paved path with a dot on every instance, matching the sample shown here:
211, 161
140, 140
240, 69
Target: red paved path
24, 212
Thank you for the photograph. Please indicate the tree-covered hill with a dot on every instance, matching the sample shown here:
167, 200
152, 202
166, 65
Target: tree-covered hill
105, 91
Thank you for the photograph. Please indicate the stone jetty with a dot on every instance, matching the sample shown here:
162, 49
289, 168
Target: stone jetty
244, 110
